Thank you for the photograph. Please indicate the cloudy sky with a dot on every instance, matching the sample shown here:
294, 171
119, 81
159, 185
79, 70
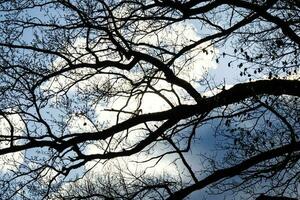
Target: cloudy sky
70, 98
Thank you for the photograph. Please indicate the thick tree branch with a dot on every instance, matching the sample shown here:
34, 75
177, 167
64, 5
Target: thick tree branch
236, 170
235, 94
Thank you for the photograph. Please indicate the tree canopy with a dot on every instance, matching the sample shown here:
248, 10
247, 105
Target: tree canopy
149, 99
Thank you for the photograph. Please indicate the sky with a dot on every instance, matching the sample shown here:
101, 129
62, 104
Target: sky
201, 64
195, 69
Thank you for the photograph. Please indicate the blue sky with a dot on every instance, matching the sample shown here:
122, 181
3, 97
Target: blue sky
68, 107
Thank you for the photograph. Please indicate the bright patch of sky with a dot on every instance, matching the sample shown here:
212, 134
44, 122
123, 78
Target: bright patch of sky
191, 67
8, 124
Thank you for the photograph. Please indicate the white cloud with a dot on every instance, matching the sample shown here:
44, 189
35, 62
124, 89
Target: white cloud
190, 67
11, 160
